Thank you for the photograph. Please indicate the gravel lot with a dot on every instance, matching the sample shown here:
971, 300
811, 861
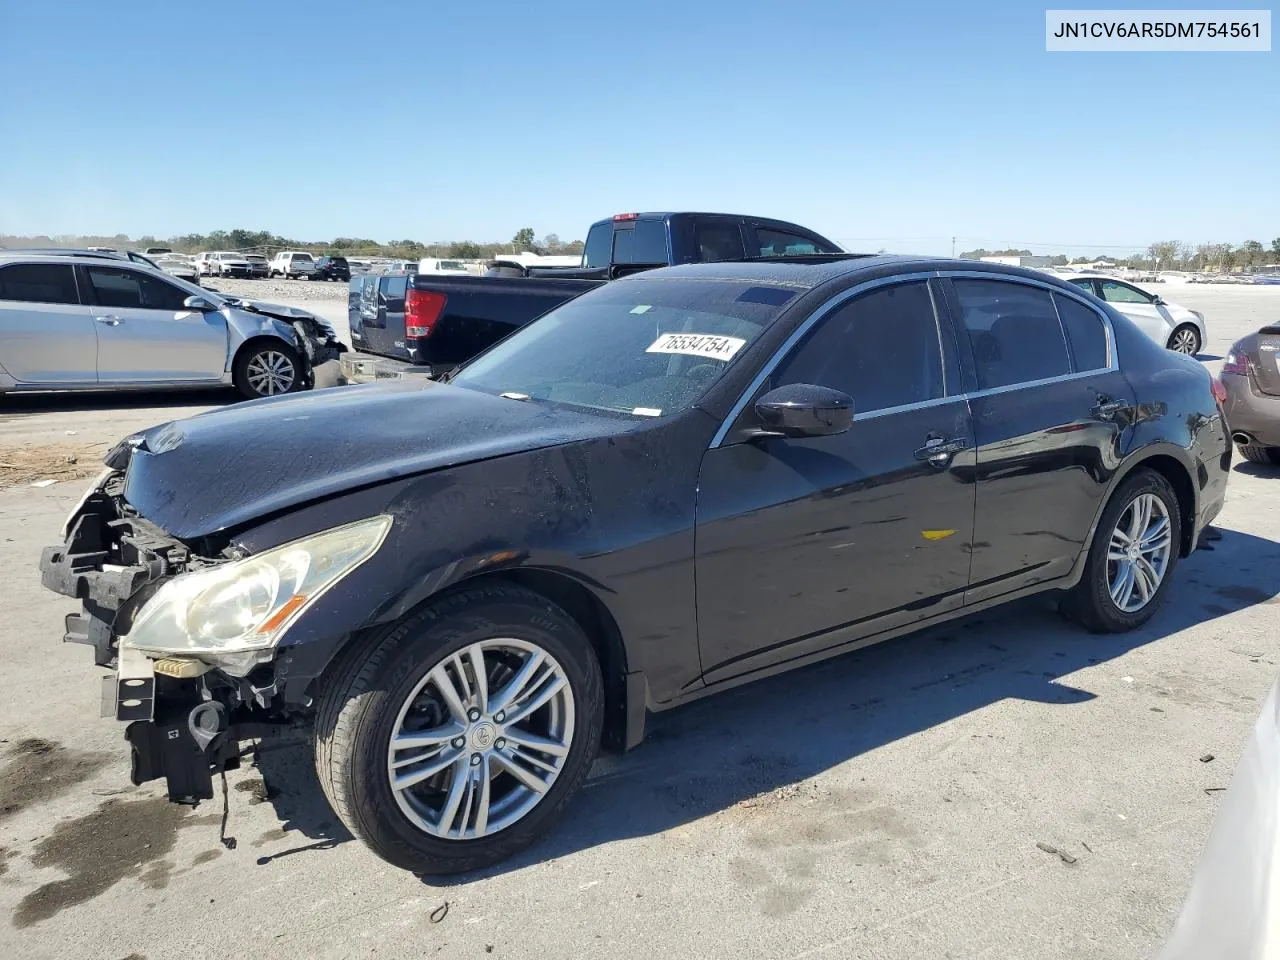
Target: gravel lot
886, 804
279, 291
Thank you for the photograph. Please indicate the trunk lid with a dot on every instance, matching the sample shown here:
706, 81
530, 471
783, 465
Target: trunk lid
1266, 361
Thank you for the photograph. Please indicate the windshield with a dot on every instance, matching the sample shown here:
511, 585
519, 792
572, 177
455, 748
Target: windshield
256, 258
647, 347
450, 265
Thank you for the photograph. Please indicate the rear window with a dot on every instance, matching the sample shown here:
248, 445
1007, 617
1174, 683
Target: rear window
646, 243
38, 283
599, 247
644, 348
301, 256
450, 265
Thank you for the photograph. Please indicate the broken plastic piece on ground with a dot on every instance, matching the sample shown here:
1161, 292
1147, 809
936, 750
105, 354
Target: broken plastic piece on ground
44, 483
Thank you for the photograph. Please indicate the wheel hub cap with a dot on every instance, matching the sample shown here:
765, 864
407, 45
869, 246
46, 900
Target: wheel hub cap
1139, 552
481, 739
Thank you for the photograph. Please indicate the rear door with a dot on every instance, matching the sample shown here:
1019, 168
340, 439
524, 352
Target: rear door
146, 335
1049, 407
46, 334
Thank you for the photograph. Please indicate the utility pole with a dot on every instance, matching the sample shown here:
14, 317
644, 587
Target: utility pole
953, 247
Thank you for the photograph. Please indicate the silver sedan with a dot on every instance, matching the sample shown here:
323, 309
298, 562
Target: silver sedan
76, 323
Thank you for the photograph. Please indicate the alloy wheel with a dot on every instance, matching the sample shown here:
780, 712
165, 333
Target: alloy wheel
481, 739
1185, 341
1138, 554
270, 372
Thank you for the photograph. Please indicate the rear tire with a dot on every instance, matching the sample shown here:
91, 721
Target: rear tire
1092, 602
1255, 453
380, 688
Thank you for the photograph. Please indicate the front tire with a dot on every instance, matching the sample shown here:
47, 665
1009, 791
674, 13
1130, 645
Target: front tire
1185, 339
1131, 558
1255, 453
268, 369
439, 771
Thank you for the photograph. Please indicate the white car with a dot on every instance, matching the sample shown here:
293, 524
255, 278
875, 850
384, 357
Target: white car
1166, 323
293, 264
450, 267
176, 265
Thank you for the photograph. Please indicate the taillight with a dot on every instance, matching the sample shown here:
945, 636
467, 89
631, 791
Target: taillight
422, 308
1219, 391
1236, 363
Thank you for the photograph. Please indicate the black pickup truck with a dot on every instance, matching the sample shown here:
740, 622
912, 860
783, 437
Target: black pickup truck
438, 322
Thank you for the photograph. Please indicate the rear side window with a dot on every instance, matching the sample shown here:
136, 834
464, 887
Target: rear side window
599, 247
718, 240
881, 348
647, 243
1013, 330
38, 283
133, 291
776, 243
1085, 333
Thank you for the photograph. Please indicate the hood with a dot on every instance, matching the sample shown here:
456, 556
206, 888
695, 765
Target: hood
226, 468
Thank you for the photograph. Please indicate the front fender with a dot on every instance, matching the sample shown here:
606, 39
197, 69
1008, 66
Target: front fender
243, 326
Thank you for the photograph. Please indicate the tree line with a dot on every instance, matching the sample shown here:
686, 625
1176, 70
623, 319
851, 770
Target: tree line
1170, 255
265, 242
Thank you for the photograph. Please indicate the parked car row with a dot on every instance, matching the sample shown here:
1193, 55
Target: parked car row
464, 587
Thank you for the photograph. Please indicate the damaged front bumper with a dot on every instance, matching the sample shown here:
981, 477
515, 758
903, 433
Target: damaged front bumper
185, 719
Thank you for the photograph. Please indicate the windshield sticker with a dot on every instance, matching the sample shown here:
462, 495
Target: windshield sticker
697, 345
643, 308
646, 412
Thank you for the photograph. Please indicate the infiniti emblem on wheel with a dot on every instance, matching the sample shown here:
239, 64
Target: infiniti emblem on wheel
482, 736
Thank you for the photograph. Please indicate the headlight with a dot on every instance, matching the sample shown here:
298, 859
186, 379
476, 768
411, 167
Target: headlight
247, 605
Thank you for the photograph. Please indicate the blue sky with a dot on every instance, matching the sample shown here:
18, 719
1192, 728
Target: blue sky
891, 125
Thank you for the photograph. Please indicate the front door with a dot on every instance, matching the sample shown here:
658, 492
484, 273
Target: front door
1151, 318
1049, 407
46, 335
805, 544
146, 335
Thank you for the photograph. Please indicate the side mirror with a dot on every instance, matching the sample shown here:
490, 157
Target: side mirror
803, 410
198, 303
1158, 301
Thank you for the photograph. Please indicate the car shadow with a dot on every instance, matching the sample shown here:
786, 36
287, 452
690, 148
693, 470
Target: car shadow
1207, 357
70, 401
697, 761
1251, 469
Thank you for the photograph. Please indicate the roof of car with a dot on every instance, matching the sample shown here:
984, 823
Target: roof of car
807, 272
40, 256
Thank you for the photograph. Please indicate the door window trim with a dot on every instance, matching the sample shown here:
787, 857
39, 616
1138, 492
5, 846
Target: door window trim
942, 316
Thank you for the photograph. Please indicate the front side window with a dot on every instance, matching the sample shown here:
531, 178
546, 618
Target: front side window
645, 244
1085, 333
881, 348
599, 247
1013, 331
38, 283
1113, 291
639, 347
778, 243
129, 290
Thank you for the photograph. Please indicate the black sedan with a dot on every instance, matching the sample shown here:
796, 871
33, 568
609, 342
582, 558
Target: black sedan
332, 268
678, 482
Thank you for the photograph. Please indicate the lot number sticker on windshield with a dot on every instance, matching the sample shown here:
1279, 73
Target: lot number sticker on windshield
697, 345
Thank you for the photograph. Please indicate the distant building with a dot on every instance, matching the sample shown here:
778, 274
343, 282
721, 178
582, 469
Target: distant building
1020, 261
1102, 263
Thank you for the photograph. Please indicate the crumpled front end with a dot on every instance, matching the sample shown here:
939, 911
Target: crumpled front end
185, 718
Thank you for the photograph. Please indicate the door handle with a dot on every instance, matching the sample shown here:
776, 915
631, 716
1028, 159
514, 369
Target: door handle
110, 320
1106, 408
938, 450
